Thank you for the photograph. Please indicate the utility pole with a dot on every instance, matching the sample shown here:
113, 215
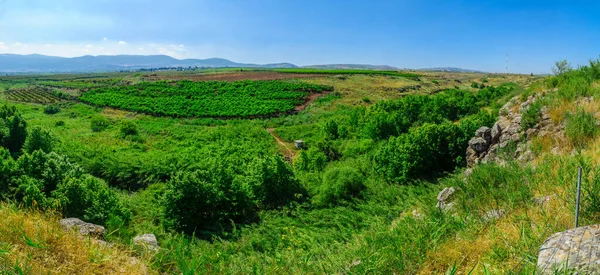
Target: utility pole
506, 64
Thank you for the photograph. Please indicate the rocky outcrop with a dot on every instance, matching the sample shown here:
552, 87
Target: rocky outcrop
83, 228
146, 241
444, 198
488, 143
575, 250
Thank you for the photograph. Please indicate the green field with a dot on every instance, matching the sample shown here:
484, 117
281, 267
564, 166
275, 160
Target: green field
205, 99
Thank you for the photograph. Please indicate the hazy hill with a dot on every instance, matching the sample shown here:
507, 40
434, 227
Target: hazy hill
352, 66
42, 63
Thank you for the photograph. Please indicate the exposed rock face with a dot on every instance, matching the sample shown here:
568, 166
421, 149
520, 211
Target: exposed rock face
444, 198
576, 250
147, 241
84, 228
487, 143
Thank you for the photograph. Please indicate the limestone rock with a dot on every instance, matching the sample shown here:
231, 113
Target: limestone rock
496, 131
84, 228
478, 144
444, 198
576, 250
147, 241
494, 214
485, 133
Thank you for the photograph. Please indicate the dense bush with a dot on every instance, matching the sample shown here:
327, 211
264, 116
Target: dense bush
311, 160
91, 199
51, 109
339, 184
532, 115
581, 127
428, 150
39, 139
128, 128
395, 117
200, 201
13, 130
99, 124
274, 183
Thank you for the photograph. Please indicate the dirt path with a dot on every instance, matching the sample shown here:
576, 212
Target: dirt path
283, 147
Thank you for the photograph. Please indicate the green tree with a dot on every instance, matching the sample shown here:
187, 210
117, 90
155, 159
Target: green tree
561, 67
39, 139
15, 134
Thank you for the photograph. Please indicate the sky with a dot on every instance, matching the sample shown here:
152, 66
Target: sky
402, 33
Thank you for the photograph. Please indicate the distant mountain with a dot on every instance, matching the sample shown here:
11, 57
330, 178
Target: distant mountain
352, 66
35, 63
449, 69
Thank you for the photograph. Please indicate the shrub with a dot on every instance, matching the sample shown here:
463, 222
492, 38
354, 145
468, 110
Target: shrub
14, 134
51, 109
435, 82
128, 128
581, 127
204, 201
30, 192
339, 185
39, 139
311, 160
474, 85
532, 115
423, 152
91, 199
99, 124
366, 100
330, 130
8, 171
274, 183
59, 123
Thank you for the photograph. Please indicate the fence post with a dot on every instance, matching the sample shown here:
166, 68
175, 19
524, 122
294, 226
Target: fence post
578, 195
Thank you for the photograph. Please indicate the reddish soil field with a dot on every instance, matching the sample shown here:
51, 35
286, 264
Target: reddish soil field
231, 76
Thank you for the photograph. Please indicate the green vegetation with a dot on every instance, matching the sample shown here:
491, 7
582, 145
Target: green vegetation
221, 198
581, 127
347, 71
211, 98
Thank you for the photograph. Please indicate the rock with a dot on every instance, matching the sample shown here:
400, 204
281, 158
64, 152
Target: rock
478, 144
496, 131
147, 241
541, 200
467, 172
472, 157
446, 207
494, 214
417, 214
444, 197
530, 133
576, 250
84, 228
485, 133
517, 120
526, 156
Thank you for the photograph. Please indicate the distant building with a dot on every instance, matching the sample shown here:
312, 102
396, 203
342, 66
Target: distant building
299, 144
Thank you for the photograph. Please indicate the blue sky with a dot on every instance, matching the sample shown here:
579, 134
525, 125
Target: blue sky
406, 34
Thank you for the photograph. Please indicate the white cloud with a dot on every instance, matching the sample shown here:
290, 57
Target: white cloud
122, 42
2, 46
104, 39
88, 46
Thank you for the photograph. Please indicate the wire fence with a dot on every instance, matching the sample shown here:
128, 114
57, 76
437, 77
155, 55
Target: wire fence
518, 268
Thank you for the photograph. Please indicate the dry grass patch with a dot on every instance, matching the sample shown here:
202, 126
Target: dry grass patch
34, 243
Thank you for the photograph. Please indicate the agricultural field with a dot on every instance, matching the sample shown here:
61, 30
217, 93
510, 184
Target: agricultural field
35, 94
206, 99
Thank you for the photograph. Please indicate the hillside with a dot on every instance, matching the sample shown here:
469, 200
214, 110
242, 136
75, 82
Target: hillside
36, 63
399, 174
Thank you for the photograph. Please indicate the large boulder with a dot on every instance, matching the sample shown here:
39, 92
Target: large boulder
495, 132
485, 133
147, 241
83, 228
575, 250
478, 144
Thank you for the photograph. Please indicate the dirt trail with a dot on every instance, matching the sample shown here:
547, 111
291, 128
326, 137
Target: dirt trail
287, 152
